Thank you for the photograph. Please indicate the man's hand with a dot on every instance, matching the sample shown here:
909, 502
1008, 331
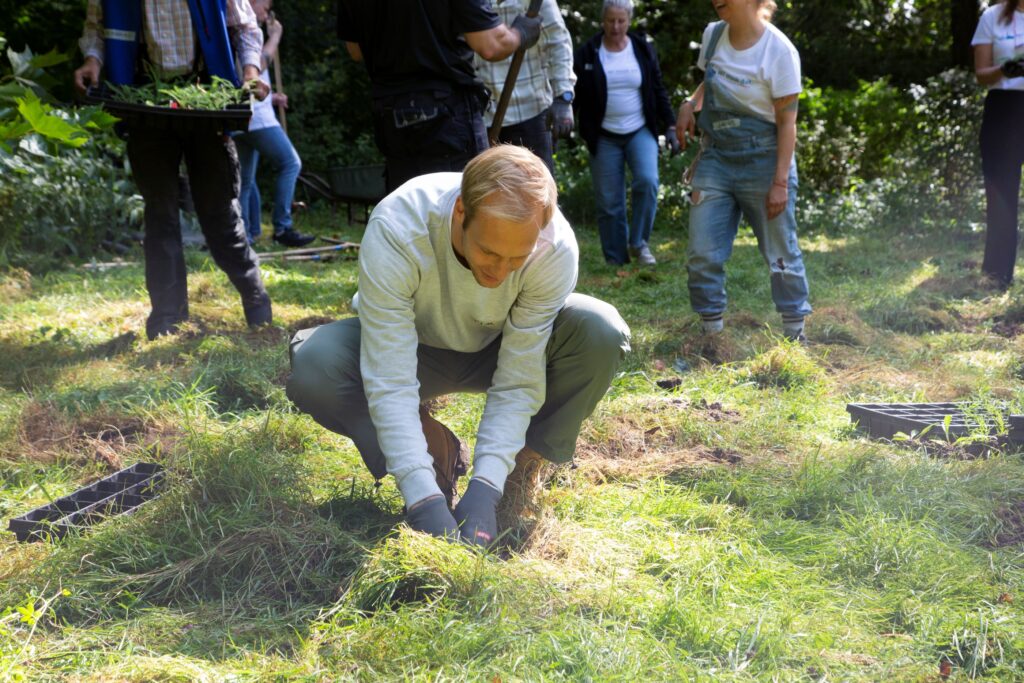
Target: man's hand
476, 513
279, 99
431, 516
253, 83
529, 30
561, 118
88, 74
274, 28
1013, 68
672, 141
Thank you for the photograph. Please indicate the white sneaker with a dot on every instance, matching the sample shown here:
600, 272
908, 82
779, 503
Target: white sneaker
642, 255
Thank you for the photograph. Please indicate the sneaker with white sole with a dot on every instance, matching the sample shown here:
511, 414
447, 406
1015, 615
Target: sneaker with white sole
642, 255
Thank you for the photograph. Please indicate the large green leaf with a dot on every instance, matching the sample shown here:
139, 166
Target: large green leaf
49, 59
44, 122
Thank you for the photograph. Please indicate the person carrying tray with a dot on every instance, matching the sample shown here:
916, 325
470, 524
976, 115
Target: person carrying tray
117, 40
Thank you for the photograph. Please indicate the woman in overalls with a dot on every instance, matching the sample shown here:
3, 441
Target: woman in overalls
748, 104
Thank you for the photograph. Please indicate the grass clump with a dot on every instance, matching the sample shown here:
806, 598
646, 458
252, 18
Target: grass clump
784, 366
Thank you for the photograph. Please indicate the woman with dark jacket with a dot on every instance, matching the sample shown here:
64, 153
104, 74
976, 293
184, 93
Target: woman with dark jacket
621, 105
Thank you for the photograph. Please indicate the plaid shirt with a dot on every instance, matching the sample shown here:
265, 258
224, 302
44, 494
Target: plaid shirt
547, 66
170, 37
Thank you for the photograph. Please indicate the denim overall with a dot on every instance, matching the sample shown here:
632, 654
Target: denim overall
733, 178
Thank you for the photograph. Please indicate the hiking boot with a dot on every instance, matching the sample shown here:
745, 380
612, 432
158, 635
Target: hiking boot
451, 457
642, 255
521, 488
293, 238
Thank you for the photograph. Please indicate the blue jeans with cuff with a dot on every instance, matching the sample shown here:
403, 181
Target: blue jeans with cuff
272, 143
730, 184
639, 150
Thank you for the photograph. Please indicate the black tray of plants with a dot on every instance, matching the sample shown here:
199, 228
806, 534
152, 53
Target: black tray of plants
186, 108
949, 420
120, 493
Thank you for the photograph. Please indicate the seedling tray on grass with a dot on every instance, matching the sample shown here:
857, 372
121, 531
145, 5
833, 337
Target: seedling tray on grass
232, 117
120, 493
886, 420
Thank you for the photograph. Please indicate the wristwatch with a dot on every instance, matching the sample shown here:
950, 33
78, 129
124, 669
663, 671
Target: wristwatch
566, 97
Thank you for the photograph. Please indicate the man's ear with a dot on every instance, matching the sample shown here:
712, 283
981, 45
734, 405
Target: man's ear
459, 213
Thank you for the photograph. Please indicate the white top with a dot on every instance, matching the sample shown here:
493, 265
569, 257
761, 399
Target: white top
749, 80
624, 108
263, 110
1007, 41
413, 290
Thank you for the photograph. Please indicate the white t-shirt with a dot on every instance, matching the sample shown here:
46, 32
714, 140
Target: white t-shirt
413, 290
624, 108
1007, 41
263, 110
749, 80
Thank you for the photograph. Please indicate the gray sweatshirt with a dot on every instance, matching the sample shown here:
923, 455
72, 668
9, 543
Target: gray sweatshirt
413, 290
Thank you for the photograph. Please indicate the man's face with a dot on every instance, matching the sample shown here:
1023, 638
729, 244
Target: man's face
493, 247
262, 10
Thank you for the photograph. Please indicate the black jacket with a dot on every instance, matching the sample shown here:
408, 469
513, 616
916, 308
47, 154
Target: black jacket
592, 88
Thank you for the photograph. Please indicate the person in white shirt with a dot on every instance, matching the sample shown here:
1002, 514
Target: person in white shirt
747, 167
465, 285
999, 64
622, 106
266, 138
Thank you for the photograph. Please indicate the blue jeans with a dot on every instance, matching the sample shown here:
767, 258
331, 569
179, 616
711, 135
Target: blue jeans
728, 185
608, 170
274, 144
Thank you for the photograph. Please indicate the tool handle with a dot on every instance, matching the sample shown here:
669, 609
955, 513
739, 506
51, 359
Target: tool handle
510, 81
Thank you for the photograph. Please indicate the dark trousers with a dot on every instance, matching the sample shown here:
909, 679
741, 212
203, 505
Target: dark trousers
427, 132
212, 164
1002, 154
534, 135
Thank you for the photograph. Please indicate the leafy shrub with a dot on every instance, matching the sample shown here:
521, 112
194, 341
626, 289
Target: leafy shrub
60, 192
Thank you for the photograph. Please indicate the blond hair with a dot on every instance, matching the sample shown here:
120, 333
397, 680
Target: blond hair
509, 182
766, 9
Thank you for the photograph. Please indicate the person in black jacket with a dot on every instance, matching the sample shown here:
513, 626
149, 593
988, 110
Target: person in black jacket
622, 105
428, 102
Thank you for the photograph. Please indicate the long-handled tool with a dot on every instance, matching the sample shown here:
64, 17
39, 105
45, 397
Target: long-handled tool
277, 85
344, 246
510, 81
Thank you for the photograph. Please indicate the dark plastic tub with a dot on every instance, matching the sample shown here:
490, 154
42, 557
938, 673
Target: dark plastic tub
120, 493
233, 117
885, 420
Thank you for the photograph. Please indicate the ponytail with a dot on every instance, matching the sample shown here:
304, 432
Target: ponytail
1009, 7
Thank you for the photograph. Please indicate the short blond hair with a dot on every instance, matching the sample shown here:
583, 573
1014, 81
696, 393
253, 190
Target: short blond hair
509, 182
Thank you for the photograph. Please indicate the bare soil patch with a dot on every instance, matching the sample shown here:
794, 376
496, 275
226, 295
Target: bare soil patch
46, 434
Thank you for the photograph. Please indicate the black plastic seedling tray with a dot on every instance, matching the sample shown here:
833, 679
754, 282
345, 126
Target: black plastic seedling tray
232, 117
885, 420
120, 493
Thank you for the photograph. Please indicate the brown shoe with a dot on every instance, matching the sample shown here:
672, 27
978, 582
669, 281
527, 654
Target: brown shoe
521, 488
451, 457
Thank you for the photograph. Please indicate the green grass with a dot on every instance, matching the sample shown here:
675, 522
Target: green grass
734, 527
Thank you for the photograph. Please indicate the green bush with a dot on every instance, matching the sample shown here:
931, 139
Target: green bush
60, 192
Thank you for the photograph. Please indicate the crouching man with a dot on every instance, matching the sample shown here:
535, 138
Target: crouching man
465, 285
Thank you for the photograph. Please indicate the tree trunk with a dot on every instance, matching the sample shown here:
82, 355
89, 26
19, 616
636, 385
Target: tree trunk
963, 20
